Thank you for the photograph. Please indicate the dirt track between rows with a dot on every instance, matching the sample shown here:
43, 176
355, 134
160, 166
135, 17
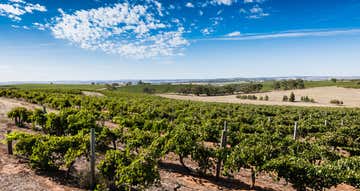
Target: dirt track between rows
95, 94
16, 175
322, 96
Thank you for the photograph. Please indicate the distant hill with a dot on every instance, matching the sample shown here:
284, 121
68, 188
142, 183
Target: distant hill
177, 81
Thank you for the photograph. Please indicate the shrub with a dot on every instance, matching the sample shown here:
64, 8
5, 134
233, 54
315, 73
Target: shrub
249, 97
252, 97
292, 97
148, 90
336, 101
285, 98
307, 99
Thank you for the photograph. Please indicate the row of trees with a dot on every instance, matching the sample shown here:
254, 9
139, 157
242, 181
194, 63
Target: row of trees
212, 90
289, 84
253, 97
307, 99
336, 101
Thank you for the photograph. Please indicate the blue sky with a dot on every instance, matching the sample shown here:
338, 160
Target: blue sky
110, 40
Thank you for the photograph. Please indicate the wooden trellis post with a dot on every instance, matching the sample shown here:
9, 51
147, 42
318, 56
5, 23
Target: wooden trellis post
222, 145
342, 122
92, 159
44, 109
326, 123
295, 129
9, 144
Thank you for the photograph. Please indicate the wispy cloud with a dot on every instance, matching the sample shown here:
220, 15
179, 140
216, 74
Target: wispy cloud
256, 12
254, 1
289, 34
233, 34
207, 31
189, 5
14, 9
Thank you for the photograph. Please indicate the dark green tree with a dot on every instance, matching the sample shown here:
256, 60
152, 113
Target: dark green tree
292, 97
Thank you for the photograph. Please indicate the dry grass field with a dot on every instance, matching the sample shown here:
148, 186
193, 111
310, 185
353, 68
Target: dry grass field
322, 96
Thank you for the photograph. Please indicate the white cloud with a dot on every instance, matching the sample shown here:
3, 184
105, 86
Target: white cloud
14, 9
158, 7
207, 31
216, 20
232, 34
189, 5
15, 26
129, 30
34, 7
17, 1
223, 2
254, 1
172, 7
41, 26
257, 12
175, 20
20, 27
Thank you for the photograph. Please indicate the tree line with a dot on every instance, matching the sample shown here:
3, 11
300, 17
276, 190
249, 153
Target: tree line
212, 90
289, 84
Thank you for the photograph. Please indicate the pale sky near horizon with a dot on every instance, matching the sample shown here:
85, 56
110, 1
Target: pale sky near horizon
147, 39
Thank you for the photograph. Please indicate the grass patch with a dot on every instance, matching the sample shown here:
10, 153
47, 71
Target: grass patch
159, 88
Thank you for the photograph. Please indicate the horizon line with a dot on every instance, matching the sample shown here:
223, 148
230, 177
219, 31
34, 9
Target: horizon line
184, 79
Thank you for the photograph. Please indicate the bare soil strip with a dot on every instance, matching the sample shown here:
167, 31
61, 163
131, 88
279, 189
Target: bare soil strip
96, 94
322, 96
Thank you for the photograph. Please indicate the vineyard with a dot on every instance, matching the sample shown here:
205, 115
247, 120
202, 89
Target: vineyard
309, 148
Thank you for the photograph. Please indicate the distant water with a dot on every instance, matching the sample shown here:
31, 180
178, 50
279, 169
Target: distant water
162, 81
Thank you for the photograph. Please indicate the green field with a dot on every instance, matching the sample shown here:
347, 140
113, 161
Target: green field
169, 88
55, 86
268, 85
345, 84
160, 88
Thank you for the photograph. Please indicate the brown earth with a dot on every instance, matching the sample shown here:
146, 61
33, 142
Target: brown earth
322, 96
96, 94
